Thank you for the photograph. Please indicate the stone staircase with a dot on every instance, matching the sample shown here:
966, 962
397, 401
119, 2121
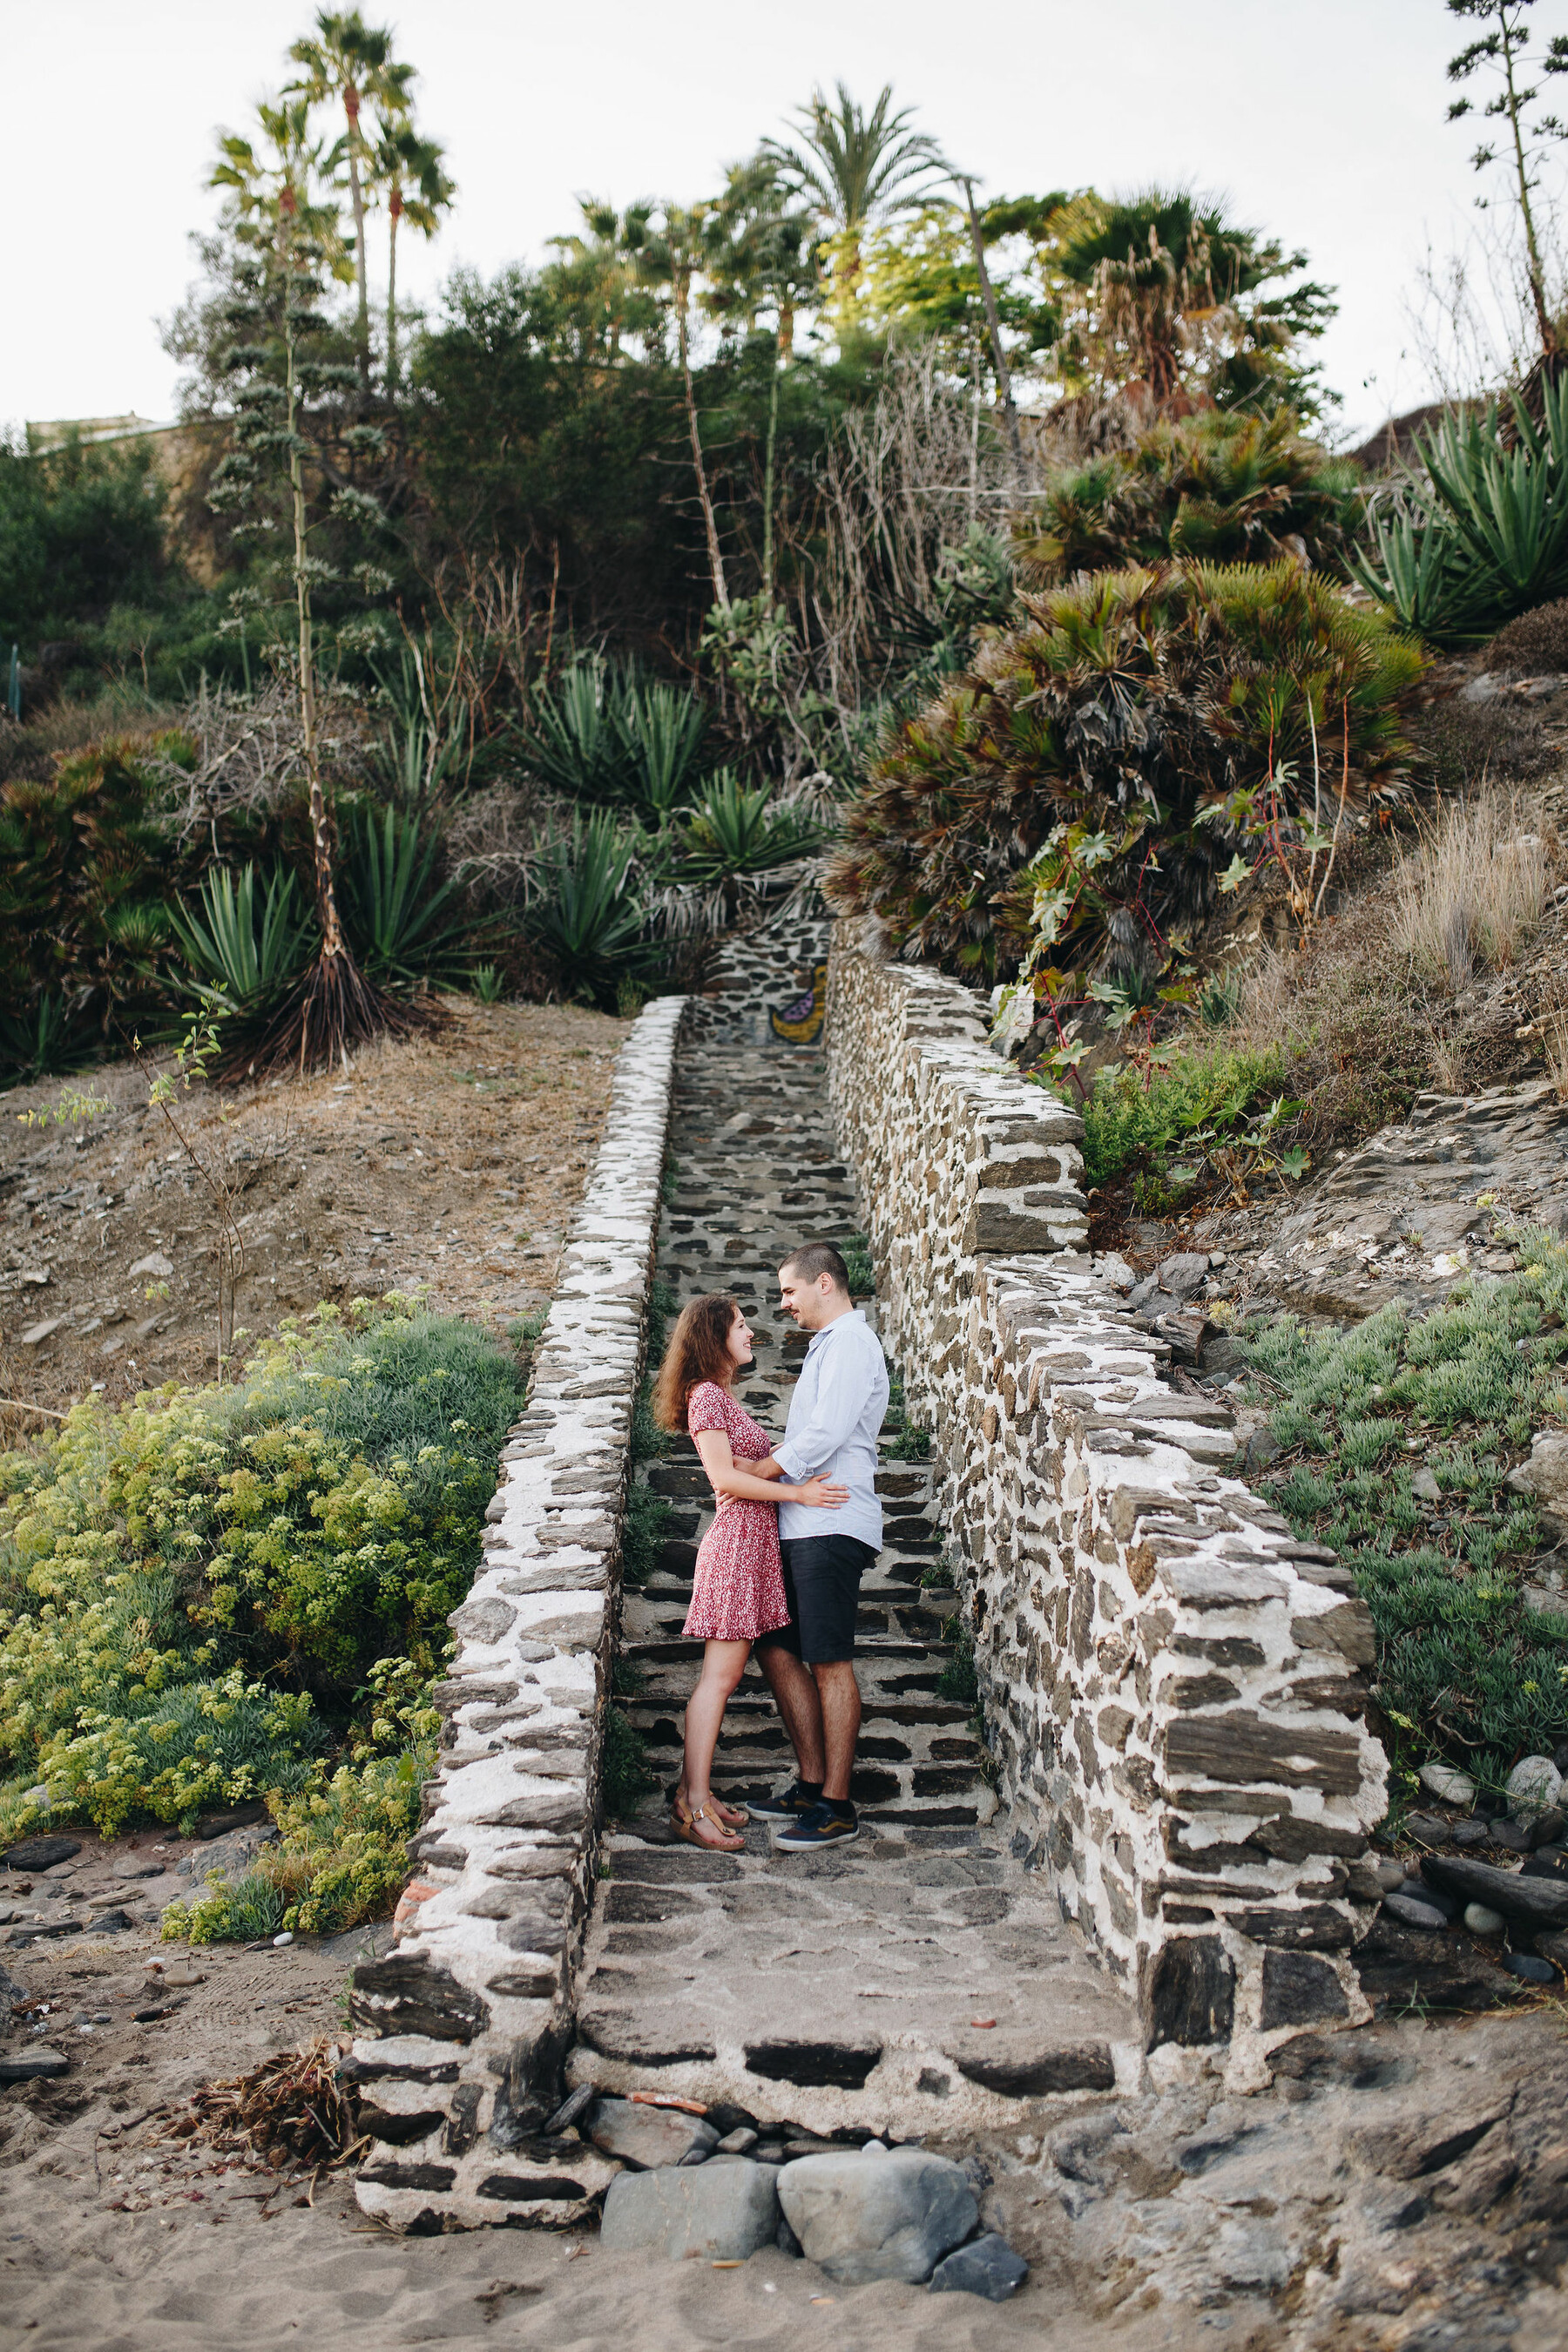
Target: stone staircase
921, 1980
728, 1224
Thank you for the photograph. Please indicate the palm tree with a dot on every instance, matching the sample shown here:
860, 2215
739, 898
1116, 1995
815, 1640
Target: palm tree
856, 169
673, 256
599, 275
353, 60
417, 190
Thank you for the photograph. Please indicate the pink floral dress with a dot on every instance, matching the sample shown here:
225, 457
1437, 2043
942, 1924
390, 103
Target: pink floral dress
737, 1590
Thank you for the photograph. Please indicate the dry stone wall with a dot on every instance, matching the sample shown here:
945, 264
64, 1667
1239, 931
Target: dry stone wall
462, 2026
1173, 1683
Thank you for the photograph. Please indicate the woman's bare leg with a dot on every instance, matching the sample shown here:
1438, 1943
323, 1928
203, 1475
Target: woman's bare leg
723, 1663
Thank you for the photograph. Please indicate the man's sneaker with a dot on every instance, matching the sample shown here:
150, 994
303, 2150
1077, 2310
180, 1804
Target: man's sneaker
797, 1800
831, 1822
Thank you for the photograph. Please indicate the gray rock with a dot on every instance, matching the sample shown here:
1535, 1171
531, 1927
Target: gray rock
32, 2065
1483, 1921
40, 1852
986, 2266
649, 2139
1181, 1277
1533, 1970
1412, 1912
1453, 1788
1533, 1785
716, 2213
893, 2217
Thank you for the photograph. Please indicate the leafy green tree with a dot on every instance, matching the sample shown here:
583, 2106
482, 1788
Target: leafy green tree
597, 277
349, 60
856, 170
1503, 49
82, 530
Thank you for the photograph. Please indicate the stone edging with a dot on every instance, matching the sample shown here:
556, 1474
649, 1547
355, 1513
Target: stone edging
462, 2027
1172, 1681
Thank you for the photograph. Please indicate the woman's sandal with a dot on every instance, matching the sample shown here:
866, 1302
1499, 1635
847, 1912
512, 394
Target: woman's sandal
730, 1817
685, 1821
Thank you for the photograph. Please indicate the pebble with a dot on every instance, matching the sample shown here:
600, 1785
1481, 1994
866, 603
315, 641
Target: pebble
1533, 1786
1450, 1787
286, 1937
1526, 1965
1413, 1913
1482, 1921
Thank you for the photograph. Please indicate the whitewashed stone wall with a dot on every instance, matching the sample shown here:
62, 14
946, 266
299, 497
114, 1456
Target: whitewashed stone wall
463, 2025
1172, 1681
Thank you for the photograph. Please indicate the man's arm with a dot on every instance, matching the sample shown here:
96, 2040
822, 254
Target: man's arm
842, 1389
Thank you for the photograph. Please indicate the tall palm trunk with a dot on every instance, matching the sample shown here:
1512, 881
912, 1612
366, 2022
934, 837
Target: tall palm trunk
768, 492
351, 108
715, 558
394, 214
988, 295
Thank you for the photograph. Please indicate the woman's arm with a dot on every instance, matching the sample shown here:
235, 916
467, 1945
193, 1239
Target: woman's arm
718, 1462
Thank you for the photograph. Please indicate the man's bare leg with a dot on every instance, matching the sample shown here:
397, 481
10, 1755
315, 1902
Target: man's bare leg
839, 1695
793, 1688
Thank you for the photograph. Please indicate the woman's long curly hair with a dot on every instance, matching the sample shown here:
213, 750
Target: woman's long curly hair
698, 1350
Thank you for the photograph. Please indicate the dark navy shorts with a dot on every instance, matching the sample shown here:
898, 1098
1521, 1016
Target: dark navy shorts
822, 1584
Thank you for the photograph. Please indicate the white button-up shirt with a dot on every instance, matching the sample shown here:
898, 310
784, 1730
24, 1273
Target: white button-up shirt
838, 1409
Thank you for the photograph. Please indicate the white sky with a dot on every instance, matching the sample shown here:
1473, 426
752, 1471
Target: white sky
1323, 123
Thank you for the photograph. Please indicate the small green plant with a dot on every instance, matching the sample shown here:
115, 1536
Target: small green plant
486, 983
862, 1271
624, 1778
643, 1534
937, 1577
1464, 1664
958, 1679
244, 952
1196, 1098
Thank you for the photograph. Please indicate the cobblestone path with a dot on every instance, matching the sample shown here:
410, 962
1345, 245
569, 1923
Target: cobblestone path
841, 1989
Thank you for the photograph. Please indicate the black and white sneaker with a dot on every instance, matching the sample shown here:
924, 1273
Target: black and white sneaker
792, 1806
832, 1821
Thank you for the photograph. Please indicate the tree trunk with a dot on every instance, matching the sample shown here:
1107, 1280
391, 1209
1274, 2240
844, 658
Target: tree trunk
394, 214
351, 108
768, 493
715, 559
988, 295
321, 822
1548, 332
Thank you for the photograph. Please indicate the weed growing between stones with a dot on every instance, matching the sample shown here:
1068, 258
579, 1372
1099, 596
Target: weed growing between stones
857, 1254
626, 1776
958, 1679
643, 1533
1197, 1097
908, 1443
211, 1596
1403, 1434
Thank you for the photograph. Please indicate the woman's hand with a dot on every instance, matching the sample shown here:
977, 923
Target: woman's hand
820, 1493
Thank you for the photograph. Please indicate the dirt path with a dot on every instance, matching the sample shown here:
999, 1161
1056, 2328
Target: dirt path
449, 1163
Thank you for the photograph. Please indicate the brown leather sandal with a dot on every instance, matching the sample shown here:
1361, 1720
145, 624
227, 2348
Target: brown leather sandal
684, 1819
732, 1817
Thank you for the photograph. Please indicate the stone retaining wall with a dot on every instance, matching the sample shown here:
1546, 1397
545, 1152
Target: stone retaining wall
1172, 1681
464, 2024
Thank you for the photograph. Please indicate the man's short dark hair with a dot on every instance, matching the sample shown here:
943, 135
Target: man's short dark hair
816, 1258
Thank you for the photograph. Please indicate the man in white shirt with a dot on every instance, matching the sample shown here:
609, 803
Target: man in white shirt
835, 1415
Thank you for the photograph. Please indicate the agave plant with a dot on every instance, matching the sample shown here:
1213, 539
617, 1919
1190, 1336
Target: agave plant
245, 955
585, 909
1482, 533
732, 839
43, 1042
407, 924
663, 730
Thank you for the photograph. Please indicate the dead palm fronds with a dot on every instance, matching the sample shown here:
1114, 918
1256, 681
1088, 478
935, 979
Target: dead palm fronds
291, 2110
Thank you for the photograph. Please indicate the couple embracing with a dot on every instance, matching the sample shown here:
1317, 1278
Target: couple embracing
794, 1529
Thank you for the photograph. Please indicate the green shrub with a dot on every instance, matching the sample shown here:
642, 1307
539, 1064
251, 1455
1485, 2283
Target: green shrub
1076, 790
643, 1533
1128, 1118
201, 1591
1464, 1667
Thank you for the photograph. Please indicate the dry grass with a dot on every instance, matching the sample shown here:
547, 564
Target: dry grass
1551, 1024
1473, 890
291, 2110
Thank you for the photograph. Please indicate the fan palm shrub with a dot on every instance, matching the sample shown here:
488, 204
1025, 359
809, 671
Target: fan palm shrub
1057, 791
1218, 488
1481, 532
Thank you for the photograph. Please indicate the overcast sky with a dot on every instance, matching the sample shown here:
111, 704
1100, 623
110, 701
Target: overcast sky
1324, 124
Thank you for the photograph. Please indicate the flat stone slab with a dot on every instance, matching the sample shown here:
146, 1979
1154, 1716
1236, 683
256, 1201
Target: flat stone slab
986, 2266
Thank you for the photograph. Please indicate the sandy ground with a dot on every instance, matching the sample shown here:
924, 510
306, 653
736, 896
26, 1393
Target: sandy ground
450, 1162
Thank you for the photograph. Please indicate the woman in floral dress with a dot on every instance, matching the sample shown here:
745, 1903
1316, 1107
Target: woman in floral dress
738, 1591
